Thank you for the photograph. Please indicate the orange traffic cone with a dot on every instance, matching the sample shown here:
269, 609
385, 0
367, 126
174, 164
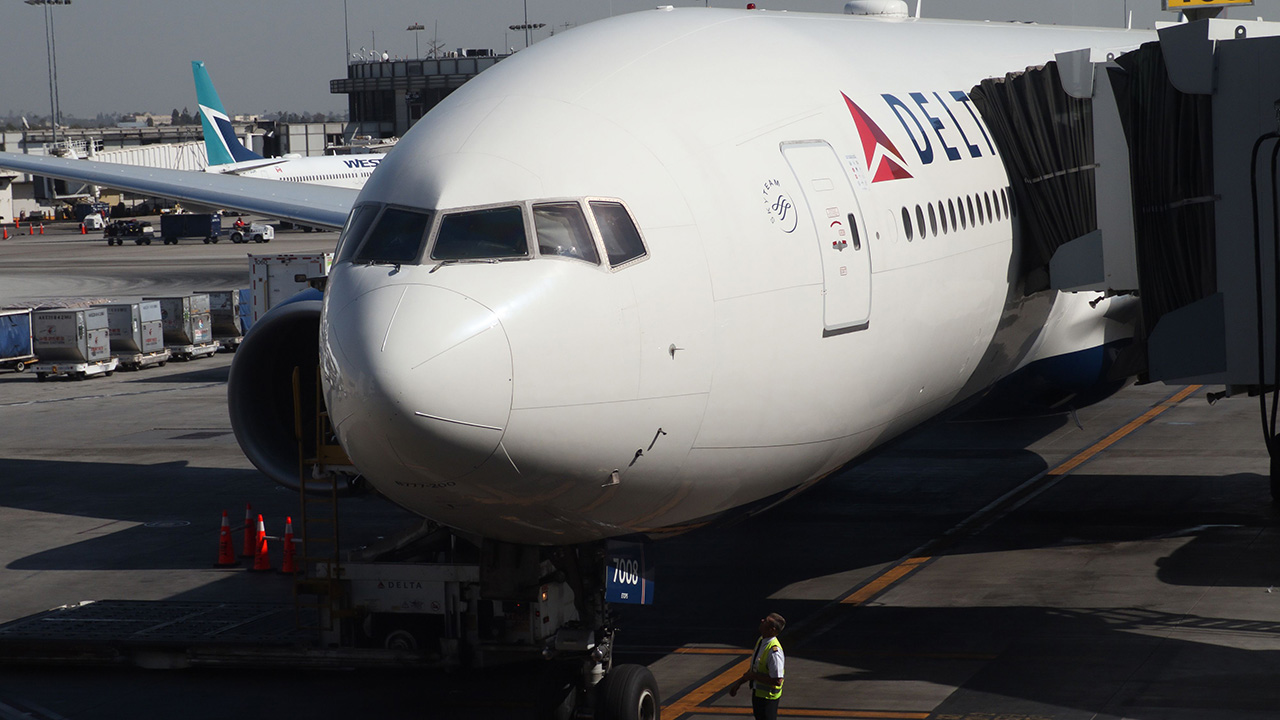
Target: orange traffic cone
289, 565
41, 228
250, 537
82, 230
6, 234
262, 560
226, 554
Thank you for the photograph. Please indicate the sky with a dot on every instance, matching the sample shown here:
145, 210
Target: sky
135, 56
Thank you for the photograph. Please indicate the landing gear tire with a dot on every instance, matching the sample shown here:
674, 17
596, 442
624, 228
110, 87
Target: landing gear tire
400, 639
628, 692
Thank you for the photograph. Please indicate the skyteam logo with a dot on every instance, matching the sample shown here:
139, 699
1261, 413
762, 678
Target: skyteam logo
881, 157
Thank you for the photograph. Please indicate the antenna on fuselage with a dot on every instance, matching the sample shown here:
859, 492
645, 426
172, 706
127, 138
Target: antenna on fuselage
918, 4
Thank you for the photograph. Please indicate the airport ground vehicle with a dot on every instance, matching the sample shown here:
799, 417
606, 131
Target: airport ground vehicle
207, 226
137, 334
140, 231
73, 342
227, 320
16, 349
186, 322
93, 221
256, 232
275, 278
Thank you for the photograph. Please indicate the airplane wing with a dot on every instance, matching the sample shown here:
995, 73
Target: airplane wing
318, 205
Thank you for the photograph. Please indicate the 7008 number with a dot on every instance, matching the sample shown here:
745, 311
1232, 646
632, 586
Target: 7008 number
626, 571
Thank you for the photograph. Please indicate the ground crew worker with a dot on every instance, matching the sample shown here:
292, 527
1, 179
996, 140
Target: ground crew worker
766, 670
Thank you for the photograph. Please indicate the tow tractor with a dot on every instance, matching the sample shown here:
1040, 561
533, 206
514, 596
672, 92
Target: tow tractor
243, 232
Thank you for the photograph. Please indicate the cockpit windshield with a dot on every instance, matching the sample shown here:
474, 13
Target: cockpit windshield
397, 237
562, 230
490, 234
357, 225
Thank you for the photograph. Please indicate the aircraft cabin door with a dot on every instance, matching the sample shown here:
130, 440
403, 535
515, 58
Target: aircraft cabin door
841, 232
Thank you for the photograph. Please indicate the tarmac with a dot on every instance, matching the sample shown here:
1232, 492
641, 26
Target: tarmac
1118, 560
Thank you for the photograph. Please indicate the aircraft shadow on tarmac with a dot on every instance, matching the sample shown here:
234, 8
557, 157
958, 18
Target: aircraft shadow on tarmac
162, 516
195, 375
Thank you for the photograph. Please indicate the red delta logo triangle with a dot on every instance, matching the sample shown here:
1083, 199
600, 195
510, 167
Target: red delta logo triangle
877, 149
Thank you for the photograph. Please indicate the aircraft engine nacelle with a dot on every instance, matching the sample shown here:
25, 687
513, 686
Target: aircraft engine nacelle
260, 389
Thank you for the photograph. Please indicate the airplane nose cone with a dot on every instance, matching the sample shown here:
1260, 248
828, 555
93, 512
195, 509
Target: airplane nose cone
426, 382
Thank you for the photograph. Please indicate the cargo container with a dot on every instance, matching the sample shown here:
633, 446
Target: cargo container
224, 310
207, 226
186, 323
16, 347
276, 278
246, 308
137, 334
72, 341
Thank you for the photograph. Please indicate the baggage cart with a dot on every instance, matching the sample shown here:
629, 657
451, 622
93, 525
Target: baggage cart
186, 322
17, 349
207, 226
137, 334
72, 341
225, 313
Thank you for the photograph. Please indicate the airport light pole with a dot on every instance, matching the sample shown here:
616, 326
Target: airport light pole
417, 28
526, 26
51, 49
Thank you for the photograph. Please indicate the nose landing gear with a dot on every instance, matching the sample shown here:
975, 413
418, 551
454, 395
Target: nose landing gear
582, 682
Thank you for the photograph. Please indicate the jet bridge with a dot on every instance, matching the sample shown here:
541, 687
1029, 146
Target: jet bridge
1154, 173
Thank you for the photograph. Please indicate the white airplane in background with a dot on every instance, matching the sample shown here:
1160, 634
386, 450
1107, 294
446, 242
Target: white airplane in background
645, 274
228, 155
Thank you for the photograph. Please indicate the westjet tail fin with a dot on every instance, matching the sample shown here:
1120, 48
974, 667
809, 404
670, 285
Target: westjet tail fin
220, 139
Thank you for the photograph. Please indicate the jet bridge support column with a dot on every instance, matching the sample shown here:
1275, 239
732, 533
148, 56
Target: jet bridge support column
1229, 337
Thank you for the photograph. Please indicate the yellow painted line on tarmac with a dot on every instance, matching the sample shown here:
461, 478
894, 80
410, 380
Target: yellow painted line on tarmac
882, 583
808, 713
1116, 436
704, 692
692, 703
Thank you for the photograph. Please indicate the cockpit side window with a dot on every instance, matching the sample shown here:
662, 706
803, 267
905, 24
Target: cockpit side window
622, 240
562, 230
357, 225
489, 234
396, 238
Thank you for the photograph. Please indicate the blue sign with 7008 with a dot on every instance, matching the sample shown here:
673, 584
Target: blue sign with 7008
628, 576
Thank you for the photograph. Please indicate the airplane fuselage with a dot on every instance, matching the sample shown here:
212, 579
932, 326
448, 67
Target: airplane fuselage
829, 254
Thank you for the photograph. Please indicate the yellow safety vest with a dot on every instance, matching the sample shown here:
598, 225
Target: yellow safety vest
768, 692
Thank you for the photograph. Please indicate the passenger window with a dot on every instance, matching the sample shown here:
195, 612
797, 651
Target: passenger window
622, 241
986, 199
933, 222
562, 230
1004, 199
952, 207
942, 217
490, 234
396, 238
920, 222
906, 223
358, 223
973, 219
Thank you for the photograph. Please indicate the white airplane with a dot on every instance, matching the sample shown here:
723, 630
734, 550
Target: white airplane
228, 155
660, 269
